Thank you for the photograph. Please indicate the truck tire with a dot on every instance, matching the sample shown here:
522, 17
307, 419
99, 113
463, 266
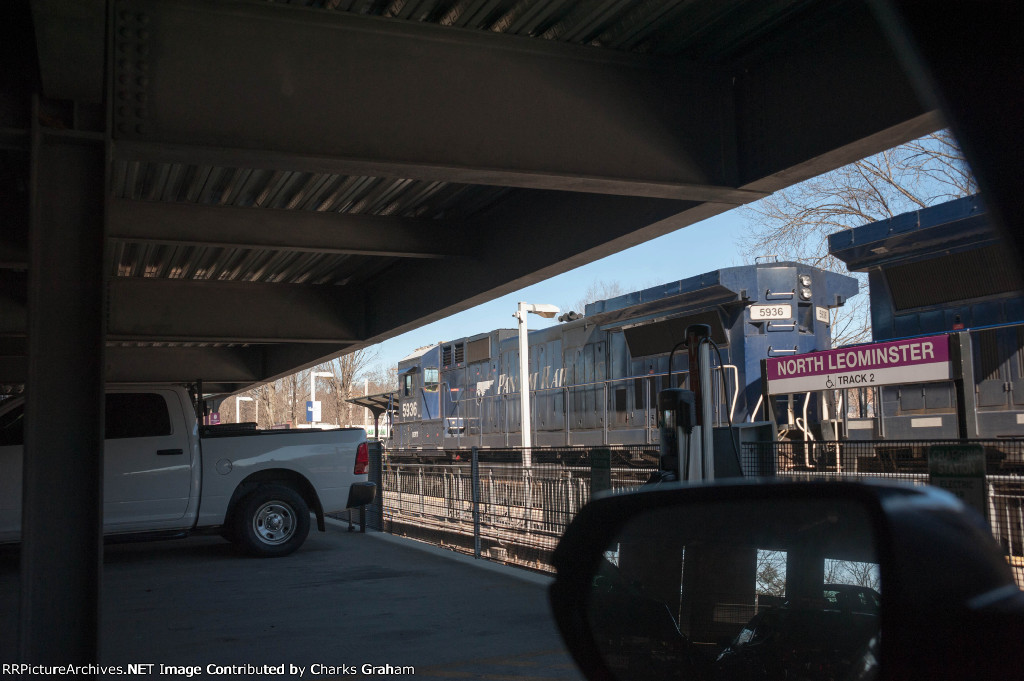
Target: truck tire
272, 521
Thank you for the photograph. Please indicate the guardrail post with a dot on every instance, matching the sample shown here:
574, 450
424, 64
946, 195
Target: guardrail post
604, 422
963, 380
475, 475
600, 470
647, 411
568, 417
419, 478
504, 402
375, 514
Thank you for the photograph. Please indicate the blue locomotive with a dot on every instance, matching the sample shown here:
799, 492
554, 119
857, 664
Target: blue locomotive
595, 379
942, 269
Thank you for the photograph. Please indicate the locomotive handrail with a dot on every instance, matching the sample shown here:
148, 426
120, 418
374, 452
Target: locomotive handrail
459, 413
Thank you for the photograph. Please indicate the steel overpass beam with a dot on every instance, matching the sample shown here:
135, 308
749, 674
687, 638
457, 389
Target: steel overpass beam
529, 237
831, 98
222, 369
233, 312
970, 64
281, 230
216, 366
172, 364
69, 35
337, 89
202, 311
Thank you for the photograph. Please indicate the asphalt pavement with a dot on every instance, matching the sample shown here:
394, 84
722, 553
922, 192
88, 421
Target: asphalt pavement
346, 605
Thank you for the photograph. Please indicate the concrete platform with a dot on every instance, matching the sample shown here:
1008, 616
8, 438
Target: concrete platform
343, 601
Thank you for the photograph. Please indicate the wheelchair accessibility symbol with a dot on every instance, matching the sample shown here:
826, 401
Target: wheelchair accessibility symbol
829, 384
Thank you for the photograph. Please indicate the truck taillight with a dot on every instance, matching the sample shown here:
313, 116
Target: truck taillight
362, 459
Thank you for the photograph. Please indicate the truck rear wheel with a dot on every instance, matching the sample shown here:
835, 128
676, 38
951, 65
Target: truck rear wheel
272, 521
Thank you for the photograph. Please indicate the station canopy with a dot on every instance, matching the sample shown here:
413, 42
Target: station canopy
284, 182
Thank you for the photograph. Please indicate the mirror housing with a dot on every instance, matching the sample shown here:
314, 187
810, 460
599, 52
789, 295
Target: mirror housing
949, 601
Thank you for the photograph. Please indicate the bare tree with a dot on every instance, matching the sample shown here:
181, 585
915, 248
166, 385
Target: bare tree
265, 396
383, 378
852, 572
243, 410
771, 573
284, 400
795, 223
598, 290
346, 371
289, 397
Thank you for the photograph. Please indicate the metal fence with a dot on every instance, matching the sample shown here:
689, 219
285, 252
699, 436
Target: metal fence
905, 460
492, 504
887, 458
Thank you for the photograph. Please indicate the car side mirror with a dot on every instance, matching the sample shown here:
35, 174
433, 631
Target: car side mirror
766, 580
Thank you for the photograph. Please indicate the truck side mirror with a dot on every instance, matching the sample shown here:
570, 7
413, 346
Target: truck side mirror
830, 580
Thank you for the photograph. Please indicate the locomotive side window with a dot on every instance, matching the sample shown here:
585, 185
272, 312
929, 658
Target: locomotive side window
430, 379
407, 385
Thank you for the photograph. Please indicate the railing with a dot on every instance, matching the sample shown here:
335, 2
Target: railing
905, 460
886, 458
493, 506
574, 408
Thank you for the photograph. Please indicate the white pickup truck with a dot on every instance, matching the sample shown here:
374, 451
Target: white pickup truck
165, 475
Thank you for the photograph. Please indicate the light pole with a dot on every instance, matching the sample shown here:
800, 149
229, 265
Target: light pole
238, 411
312, 391
547, 311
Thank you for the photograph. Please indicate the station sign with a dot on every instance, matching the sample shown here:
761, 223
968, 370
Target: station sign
914, 360
313, 411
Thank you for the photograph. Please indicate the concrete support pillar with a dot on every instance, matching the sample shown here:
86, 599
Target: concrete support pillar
62, 550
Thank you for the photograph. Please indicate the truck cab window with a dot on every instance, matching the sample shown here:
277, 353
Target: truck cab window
12, 427
136, 415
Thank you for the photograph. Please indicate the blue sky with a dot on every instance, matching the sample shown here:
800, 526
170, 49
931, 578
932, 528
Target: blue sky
703, 247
